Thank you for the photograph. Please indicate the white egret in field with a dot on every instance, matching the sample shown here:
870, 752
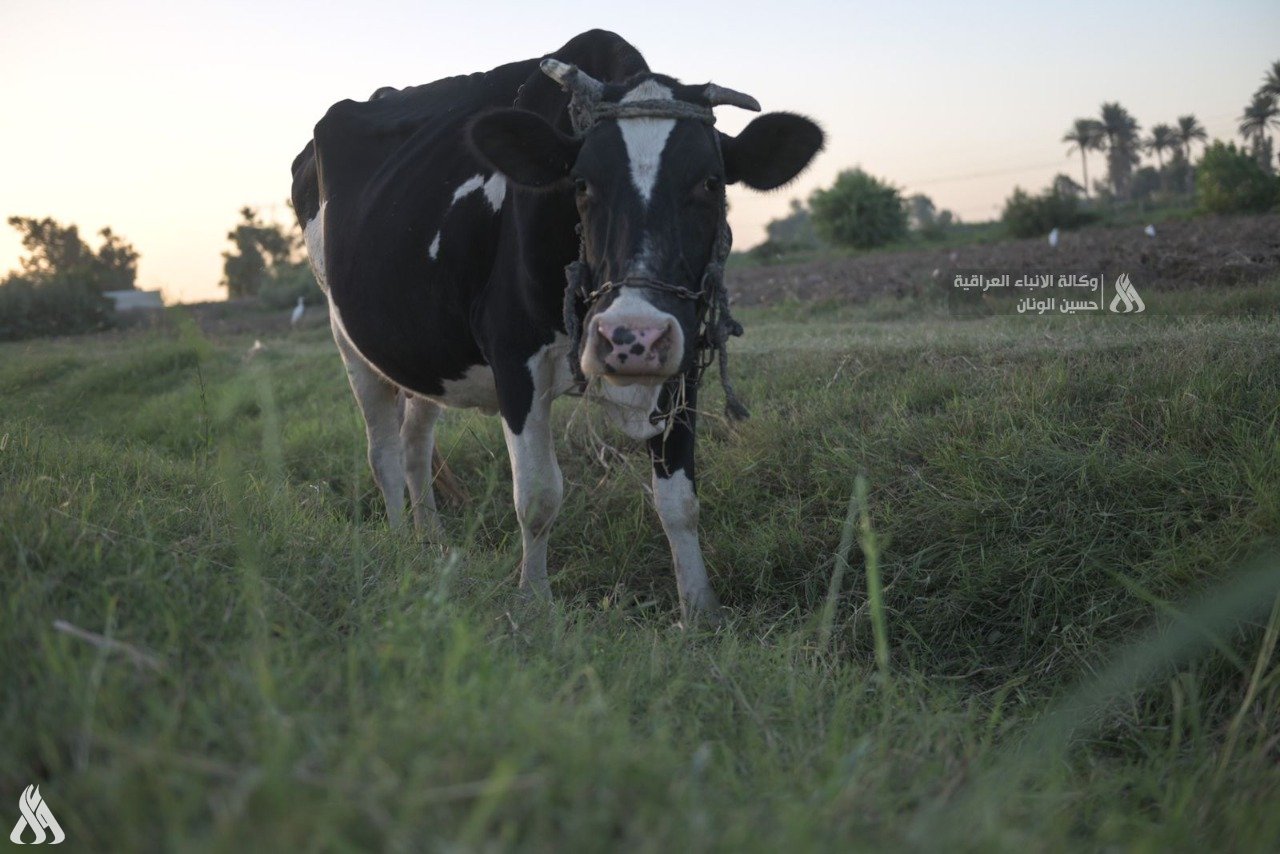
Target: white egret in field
1150, 230
1053, 238
298, 311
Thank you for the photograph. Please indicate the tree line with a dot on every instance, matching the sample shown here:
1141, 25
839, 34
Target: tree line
61, 284
860, 211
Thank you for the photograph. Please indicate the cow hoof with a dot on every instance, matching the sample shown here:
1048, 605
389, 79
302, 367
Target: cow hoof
535, 591
704, 615
427, 524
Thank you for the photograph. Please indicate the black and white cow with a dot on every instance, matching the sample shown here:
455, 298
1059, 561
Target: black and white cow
440, 219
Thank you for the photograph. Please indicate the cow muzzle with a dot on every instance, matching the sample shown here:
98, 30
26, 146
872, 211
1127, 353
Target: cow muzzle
631, 341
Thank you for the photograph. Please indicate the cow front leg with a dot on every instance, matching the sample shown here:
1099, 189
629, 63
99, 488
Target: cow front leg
538, 489
675, 497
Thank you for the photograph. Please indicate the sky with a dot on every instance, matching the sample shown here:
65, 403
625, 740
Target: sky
163, 119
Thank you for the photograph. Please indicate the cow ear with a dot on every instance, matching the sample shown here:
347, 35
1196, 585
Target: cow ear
522, 146
771, 150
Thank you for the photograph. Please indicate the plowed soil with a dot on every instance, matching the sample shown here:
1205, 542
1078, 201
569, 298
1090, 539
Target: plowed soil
1206, 252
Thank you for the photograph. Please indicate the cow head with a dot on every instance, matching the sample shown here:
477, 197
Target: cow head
647, 171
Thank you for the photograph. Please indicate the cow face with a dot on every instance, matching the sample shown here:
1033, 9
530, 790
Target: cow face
650, 196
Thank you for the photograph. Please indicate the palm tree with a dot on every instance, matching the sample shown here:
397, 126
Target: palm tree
1260, 115
1163, 138
1120, 130
1190, 130
1085, 135
1271, 82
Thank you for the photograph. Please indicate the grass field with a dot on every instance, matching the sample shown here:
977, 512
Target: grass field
1074, 522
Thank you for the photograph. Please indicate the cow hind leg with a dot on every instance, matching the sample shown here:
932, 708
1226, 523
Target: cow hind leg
417, 433
379, 404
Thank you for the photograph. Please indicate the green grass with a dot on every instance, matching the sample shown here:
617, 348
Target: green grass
1073, 524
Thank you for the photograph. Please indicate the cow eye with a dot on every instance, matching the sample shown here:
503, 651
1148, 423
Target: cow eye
580, 186
713, 184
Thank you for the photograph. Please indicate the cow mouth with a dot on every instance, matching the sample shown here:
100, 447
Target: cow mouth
634, 379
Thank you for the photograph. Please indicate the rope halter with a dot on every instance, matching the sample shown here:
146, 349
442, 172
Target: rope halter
716, 325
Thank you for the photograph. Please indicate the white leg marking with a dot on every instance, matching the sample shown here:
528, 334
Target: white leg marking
535, 475
417, 433
377, 400
434, 249
645, 139
677, 507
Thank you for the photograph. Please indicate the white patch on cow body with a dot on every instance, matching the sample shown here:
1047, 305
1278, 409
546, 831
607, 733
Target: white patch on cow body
495, 190
313, 236
645, 139
677, 506
467, 187
475, 389
434, 249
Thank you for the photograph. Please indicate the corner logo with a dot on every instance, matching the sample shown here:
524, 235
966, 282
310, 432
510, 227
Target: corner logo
1126, 299
35, 815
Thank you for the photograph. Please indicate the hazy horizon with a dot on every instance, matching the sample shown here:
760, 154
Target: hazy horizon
163, 120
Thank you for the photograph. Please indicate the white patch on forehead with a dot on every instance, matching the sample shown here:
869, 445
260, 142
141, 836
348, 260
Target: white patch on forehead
434, 250
495, 190
468, 186
645, 139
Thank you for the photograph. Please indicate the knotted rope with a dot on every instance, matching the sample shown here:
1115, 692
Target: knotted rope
716, 324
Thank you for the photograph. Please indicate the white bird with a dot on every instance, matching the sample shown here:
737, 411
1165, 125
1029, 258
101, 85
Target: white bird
1053, 238
255, 349
1150, 231
298, 311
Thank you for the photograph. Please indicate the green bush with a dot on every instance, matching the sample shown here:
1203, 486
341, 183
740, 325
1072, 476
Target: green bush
1026, 215
29, 310
288, 281
1229, 180
859, 210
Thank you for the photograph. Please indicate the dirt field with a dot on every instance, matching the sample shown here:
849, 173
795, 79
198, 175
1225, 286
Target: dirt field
1209, 250
1216, 250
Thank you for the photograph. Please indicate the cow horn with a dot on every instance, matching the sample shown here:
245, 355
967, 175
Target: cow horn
572, 79
717, 95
